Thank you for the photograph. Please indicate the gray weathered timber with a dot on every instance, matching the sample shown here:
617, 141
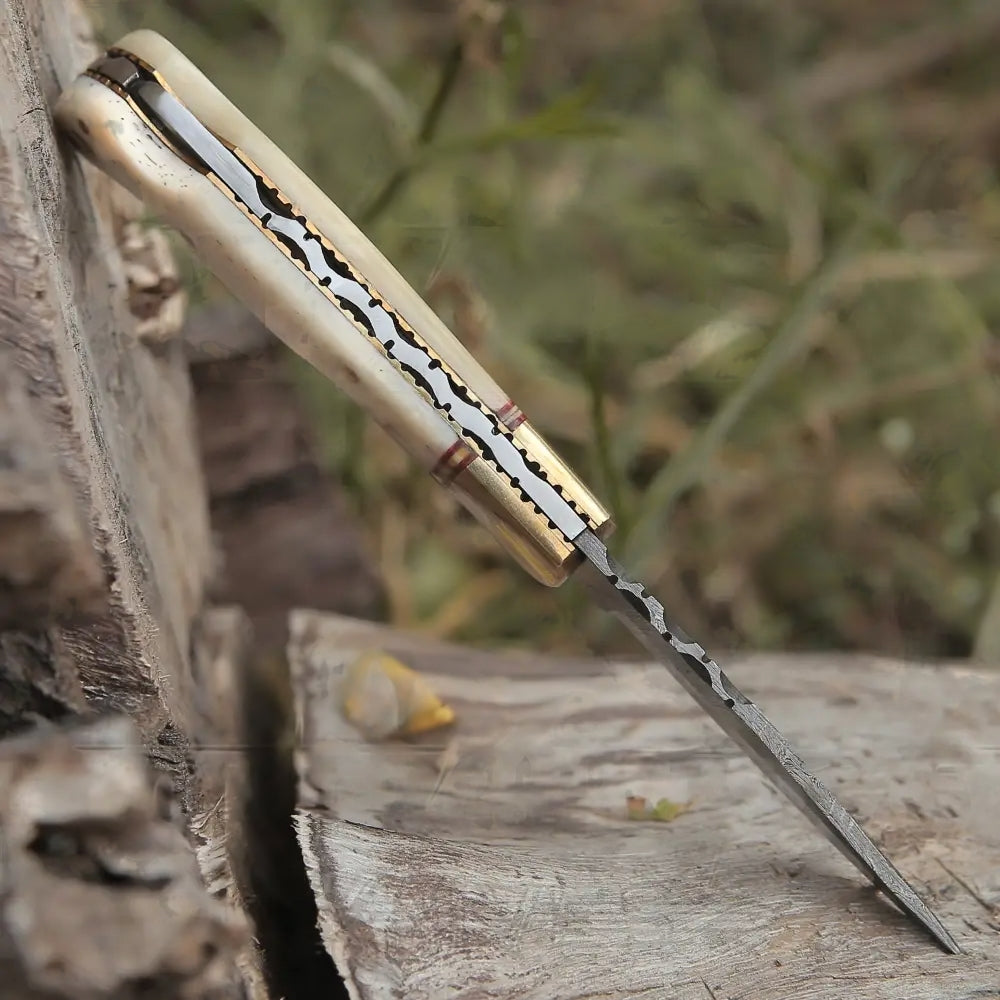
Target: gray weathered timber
105, 551
86, 322
246, 845
220, 661
521, 876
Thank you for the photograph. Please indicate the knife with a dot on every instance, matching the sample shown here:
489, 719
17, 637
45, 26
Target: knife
154, 122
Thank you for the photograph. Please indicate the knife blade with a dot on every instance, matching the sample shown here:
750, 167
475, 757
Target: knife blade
148, 117
644, 616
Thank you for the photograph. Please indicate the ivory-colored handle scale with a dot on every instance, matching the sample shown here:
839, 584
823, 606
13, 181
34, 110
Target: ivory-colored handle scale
114, 133
251, 267
222, 117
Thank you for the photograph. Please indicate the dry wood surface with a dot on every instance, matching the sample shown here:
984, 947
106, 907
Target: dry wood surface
495, 859
110, 394
105, 552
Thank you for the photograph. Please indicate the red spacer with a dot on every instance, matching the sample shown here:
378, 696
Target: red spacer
452, 462
510, 415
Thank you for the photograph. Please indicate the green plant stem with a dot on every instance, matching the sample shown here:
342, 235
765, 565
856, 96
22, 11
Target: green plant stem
429, 123
604, 459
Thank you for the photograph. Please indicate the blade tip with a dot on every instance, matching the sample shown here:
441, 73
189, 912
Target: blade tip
939, 933
947, 942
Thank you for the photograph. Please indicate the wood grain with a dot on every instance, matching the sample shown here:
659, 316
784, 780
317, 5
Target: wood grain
246, 845
521, 875
47, 565
108, 389
220, 659
105, 551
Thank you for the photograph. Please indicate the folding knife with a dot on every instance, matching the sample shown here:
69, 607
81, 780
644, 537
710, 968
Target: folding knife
154, 122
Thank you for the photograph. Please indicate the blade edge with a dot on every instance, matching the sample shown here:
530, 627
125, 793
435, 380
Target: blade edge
746, 724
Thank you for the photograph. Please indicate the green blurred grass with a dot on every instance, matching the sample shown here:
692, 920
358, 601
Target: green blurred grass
736, 259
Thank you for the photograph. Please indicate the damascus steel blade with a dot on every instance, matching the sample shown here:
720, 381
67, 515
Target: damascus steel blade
747, 725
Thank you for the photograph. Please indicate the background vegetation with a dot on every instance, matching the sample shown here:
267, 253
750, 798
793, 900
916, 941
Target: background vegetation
736, 258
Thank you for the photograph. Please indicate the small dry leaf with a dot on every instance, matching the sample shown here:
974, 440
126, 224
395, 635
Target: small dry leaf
665, 811
636, 807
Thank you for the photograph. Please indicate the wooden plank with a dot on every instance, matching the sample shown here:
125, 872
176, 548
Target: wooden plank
108, 388
520, 875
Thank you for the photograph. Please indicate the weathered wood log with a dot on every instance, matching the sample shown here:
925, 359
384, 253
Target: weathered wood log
105, 547
48, 567
115, 411
284, 536
223, 844
101, 897
497, 859
247, 849
47, 564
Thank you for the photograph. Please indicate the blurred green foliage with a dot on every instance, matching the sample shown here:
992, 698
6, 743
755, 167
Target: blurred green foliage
736, 258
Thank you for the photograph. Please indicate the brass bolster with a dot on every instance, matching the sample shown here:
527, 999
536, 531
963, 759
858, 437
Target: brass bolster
558, 472
527, 535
